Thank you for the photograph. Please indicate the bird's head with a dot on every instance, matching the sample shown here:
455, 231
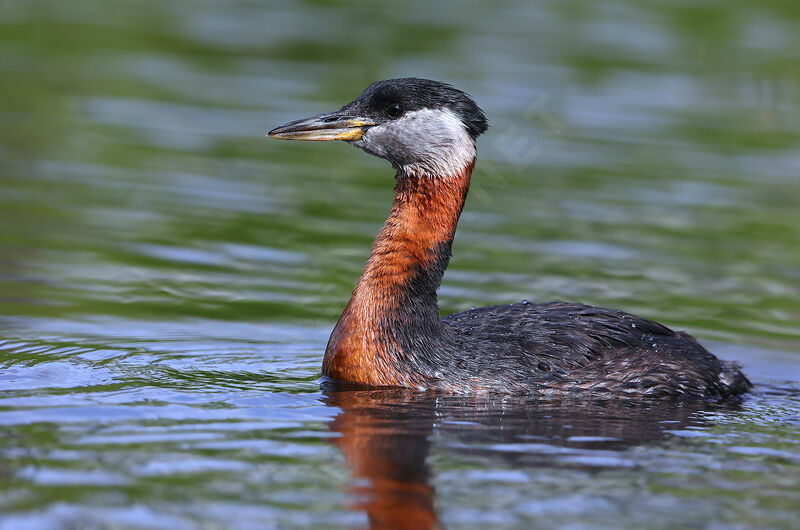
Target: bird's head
423, 127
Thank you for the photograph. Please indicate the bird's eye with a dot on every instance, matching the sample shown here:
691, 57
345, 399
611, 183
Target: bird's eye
395, 111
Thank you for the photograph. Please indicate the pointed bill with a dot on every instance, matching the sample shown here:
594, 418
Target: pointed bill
323, 127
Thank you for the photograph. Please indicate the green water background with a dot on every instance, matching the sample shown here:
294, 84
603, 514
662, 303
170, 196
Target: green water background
168, 277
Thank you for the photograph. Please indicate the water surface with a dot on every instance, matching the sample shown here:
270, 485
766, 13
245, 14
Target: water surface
168, 277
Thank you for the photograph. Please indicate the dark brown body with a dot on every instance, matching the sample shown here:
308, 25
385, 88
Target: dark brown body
391, 333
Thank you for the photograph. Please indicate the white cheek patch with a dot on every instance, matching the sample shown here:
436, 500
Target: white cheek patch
425, 142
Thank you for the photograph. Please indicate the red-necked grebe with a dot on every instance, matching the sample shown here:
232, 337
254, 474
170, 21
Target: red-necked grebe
391, 334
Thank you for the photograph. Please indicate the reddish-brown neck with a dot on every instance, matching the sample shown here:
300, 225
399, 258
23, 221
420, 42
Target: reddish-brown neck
395, 298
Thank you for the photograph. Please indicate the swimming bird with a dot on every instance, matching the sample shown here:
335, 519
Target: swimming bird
391, 333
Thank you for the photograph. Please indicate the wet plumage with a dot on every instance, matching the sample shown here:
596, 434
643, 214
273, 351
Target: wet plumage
557, 347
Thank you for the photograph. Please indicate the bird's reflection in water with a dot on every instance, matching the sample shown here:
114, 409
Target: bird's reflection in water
386, 436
